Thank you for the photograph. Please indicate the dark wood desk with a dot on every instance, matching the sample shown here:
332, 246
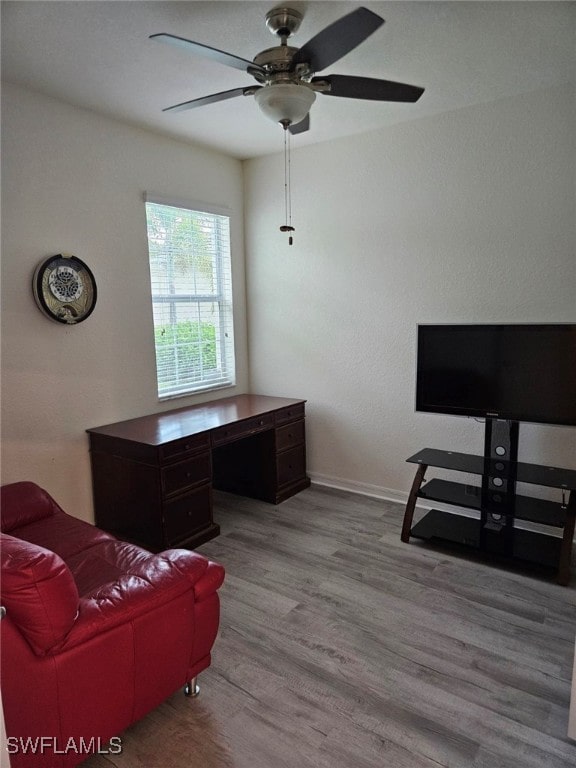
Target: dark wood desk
152, 477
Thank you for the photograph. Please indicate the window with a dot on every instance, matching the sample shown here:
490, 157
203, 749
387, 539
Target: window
191, 284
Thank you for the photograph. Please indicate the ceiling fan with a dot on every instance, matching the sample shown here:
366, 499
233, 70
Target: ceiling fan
287, 85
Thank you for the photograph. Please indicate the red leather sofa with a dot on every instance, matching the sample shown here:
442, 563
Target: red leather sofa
97, 632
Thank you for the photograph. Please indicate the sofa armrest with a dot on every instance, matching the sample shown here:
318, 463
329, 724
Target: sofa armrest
23, 503
209, 582
38, 592
163, 578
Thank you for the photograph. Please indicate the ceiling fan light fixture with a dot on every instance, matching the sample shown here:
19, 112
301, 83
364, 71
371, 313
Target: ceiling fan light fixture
285, 103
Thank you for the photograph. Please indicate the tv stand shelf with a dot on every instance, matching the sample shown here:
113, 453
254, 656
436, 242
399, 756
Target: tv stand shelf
470, 496
535, 474
491, 529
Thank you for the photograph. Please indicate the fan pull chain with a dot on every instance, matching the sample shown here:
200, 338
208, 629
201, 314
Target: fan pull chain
287, 226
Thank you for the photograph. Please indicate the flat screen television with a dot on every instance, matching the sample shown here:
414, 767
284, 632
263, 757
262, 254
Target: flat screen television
513, 372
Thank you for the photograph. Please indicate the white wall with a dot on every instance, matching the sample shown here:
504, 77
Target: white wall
463, 217
73, 181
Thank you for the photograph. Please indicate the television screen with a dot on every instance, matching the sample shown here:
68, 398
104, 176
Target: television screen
513, 372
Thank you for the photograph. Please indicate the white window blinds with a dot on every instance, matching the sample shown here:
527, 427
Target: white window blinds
191, 286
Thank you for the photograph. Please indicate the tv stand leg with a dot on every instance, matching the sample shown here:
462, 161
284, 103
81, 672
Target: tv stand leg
411, 504
563, 575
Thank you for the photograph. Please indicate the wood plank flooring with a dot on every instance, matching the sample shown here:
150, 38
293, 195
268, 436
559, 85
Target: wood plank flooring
341, 647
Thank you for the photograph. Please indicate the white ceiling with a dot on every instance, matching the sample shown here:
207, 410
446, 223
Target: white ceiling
98, 55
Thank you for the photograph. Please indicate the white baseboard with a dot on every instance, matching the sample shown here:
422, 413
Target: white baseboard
380, 492
364, 489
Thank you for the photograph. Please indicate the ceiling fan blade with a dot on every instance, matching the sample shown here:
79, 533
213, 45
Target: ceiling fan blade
222, 96
210, 53
352, 87
301, 127
337, 40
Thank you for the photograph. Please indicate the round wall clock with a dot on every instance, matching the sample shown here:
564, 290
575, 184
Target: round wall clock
64, 289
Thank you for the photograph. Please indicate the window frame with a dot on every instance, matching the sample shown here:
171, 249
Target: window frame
223, 298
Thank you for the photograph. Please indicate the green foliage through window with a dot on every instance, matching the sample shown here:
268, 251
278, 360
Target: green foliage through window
187, 347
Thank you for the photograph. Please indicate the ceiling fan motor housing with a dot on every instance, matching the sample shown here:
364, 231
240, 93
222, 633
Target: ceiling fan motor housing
274, 61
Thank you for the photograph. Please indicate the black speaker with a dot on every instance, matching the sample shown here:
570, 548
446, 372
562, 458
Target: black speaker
498, 495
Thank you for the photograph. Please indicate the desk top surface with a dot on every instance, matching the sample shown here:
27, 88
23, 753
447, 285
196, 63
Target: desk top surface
160, 428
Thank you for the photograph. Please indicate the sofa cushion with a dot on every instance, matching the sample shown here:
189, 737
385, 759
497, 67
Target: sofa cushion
38, 592
106, 562
62, 533
23, 503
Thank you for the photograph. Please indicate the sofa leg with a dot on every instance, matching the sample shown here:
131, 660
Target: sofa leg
192, 688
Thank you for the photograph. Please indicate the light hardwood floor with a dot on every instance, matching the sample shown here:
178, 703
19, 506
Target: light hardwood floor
341, 647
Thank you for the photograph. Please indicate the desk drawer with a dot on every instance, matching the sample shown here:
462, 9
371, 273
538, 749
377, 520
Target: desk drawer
242, 429
185, 474
290, 414
290, 435
179, 448
291, 465
186, 515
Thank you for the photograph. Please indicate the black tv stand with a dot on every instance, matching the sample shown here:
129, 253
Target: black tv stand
495, 525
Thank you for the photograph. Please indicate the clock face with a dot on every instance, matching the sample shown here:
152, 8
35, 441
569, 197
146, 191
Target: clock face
64, 289
65, 284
